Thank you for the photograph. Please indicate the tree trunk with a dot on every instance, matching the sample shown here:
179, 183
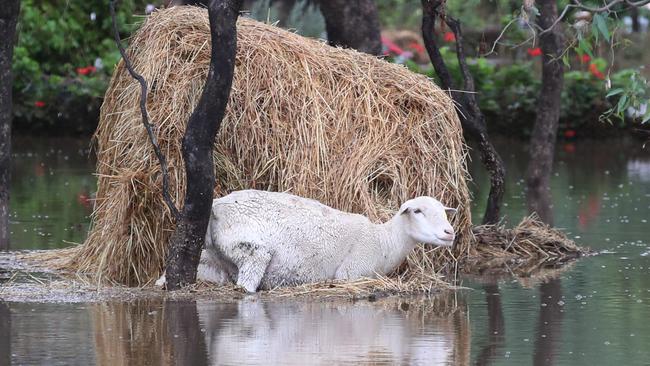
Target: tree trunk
352, 24
187, 241
284, 8
471, 117
634, 14
542, 141
8, 18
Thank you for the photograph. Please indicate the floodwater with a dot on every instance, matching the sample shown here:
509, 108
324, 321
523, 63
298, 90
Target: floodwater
595, 312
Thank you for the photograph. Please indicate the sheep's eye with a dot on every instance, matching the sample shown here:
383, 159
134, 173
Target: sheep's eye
417, 210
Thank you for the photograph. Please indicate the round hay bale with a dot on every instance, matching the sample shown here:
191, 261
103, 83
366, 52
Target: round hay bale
342, 127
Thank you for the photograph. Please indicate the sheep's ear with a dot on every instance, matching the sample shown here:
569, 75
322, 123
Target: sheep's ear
406, 211
450, 210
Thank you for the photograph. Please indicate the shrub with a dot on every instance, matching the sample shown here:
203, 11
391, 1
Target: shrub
62, 63
508, 94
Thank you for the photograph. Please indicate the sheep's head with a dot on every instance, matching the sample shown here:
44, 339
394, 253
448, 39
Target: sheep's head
425, 220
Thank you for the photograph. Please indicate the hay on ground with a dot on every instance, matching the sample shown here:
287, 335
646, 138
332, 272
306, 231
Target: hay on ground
532, 245
354, 132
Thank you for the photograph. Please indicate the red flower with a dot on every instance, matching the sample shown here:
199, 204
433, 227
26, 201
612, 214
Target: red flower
593, 69
39, 169
449, 37
534, 52
86, 70
83, 199
570, 148
391, 47
417, 47
39, 104
584, 58
569, 134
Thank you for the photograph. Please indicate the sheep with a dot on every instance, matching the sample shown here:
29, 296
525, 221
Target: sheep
262, 240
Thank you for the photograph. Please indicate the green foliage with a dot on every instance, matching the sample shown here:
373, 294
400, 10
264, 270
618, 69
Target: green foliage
630, 94
508, 94
305, 18
59, 44
583, 101
399, 14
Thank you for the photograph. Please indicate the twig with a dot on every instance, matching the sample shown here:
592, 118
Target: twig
496, 41
145, 115
607, 7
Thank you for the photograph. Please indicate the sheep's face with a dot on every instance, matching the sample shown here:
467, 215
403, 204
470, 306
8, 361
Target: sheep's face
426, 221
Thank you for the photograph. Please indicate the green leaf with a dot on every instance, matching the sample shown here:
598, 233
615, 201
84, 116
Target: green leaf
600, 22
614, 91
585, 47
594, 31
565, 60
534, 10
622, 103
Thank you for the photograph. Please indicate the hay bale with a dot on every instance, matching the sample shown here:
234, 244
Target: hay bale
345, 128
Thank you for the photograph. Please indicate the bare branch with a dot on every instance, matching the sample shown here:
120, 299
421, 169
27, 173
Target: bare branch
608, 6
496, 41
605, 8
145, 115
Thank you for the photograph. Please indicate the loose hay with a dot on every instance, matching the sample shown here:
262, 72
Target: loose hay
354, 132
532, 244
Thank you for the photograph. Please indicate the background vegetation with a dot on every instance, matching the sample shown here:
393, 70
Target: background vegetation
65, 56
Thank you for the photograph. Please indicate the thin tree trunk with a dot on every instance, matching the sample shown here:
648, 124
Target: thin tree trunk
187, 241
542, 141
9, 11
471, 117
352, 24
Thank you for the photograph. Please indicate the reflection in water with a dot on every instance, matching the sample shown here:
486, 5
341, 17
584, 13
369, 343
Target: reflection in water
390, 332
5, 331
50, 334
589, 211
185, 332
51, 192
549, 330
131, 333
496, 325
638, 169
549, 323
254, 332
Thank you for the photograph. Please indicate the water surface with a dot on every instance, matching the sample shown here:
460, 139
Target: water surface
593, 313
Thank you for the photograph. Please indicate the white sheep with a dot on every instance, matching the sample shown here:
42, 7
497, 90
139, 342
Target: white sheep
261, 239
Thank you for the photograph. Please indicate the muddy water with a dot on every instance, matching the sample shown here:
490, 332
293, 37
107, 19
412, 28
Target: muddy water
593, 313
